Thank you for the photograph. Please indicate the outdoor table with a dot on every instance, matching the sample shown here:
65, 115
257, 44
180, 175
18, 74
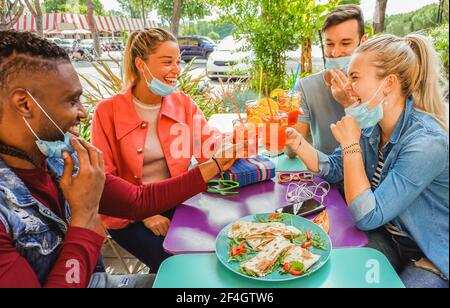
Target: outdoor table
346, 268
196, 223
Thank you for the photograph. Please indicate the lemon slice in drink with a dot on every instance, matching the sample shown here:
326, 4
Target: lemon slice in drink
277, 93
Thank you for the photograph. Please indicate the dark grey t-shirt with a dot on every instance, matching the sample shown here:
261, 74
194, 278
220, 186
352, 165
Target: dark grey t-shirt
321, 110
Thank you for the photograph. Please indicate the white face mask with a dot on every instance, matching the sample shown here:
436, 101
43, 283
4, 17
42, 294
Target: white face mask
299, 192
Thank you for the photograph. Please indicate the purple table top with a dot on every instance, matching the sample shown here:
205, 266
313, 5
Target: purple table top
197, 223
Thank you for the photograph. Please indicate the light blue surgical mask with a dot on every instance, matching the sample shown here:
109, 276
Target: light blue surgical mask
341, 63
157, 86
365, 117
51, 149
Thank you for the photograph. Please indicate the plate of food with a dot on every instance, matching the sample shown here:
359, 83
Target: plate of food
273, 247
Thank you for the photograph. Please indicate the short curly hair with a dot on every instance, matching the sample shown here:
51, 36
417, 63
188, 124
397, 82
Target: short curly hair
24, 52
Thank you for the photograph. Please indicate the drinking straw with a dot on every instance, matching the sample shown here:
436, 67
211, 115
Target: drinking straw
293, 87
232, 101
260, 82
268, 101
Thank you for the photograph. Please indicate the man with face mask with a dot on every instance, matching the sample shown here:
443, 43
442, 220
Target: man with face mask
49, 199
323, 96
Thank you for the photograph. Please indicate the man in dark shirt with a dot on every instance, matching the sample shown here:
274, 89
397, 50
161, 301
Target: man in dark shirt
49, 227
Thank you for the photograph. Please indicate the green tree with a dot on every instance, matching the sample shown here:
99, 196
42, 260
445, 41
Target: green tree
10, 12
423, 18
34, 6
72, 6
439, 37
357, 2
188, 9
115, 13
135, 8
214, 29
272, 27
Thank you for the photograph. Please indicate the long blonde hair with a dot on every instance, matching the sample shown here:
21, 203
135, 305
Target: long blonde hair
142, 43
418, 67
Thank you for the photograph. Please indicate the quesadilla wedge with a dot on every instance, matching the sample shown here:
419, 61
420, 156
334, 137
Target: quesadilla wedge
264, 261
296, 253
252, 230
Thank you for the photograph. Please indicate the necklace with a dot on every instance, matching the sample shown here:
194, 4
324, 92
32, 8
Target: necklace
14, 152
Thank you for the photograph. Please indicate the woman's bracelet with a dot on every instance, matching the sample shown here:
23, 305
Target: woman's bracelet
299, 144
351, 152
350, 146
218, 165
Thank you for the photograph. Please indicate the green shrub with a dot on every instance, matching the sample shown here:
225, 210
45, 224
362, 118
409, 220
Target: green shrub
439, 36
209, 100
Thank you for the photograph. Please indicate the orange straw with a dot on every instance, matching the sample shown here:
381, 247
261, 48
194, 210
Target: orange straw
232, 101
235, 107
268, 101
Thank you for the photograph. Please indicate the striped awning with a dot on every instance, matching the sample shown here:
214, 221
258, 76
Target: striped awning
103, 23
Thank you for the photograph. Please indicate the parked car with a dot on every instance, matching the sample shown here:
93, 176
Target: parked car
232, 60
55, 40
87, 45
229, 60
194, 46
105, 43
67, 45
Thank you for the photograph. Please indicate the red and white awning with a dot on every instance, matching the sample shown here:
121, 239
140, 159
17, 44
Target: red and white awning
103, 23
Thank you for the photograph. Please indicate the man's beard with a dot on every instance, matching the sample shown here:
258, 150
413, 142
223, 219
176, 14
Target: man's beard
49, 132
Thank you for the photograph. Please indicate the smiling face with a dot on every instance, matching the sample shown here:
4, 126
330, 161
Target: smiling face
342, 40
364, 82
163, 65
58, 93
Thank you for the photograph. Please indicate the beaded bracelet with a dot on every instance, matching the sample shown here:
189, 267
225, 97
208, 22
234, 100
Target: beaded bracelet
350, 152
350, 146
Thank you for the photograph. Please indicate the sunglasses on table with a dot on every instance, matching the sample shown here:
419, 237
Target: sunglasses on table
287, 177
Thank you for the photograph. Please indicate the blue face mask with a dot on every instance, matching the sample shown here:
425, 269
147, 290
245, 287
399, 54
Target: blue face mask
365, 117
157, 86
51, 148
341, 63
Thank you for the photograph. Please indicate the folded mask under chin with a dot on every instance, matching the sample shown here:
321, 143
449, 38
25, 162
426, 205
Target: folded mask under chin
54, 149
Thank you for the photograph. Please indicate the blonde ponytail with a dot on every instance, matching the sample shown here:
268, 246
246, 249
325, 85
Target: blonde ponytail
428, 88
141, 44
418, 67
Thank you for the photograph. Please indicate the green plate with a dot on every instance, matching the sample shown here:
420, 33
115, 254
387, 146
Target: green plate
223, 247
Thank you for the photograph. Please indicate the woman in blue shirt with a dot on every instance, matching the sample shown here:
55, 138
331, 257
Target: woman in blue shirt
393, 154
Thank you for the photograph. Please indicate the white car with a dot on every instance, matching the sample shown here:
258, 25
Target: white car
229, 60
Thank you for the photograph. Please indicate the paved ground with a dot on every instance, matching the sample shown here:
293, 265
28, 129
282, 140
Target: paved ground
86, 68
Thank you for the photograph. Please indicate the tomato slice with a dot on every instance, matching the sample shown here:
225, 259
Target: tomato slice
274, 216
306, 245
295, 273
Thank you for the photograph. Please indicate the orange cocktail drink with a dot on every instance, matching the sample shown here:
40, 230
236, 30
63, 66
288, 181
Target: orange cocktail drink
246, 132
275, 132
